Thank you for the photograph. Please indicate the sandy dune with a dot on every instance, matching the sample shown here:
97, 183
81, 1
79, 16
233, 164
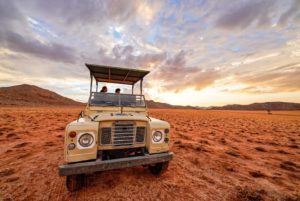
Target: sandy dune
219, 155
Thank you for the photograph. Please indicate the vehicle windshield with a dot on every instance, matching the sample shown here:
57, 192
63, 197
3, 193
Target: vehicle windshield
111, 99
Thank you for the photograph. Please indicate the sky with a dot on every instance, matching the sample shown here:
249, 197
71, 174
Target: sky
200, 53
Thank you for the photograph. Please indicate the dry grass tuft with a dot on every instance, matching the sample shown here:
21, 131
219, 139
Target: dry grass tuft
23, 144
260, 149
249, 194
257, 174
282, 151
288, 165
7, 172
195, 161
185, 137
232, 153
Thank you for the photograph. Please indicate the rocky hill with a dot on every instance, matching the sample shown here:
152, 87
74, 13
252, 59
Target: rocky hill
30, 95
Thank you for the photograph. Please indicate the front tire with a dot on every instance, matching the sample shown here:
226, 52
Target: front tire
158, 168
75, 182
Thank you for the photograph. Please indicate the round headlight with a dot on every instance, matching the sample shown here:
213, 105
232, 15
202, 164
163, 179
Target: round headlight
86, 140
157, 136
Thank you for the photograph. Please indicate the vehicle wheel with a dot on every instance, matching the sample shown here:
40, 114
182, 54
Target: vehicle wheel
74, 182
158, 168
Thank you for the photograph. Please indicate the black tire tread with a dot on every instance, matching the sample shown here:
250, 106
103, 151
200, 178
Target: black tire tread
74, 182
158, 168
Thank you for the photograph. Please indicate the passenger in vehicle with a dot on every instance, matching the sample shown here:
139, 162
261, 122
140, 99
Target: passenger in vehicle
118, 91
104, 89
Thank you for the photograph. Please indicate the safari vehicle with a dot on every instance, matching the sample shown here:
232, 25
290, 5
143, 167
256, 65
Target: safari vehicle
114, 131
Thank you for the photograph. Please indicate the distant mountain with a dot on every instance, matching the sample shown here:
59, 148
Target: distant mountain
153, 104
261, 106
30, 95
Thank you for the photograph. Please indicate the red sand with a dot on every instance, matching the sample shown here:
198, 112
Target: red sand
219, 155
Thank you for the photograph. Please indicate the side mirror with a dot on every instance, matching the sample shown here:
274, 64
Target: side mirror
80, 115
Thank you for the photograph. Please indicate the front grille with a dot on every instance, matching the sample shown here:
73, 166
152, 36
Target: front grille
140, 134
105, 135
123, 133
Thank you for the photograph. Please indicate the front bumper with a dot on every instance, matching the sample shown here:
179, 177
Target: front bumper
99, 165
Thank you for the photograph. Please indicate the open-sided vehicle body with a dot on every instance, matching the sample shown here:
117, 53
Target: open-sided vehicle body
115, 130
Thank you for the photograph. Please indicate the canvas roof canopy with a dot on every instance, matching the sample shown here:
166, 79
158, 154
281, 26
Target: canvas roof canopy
113, 74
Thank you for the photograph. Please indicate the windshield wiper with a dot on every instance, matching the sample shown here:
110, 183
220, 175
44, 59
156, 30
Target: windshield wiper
95, 117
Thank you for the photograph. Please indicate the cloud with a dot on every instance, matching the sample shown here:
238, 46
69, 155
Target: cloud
9, 12
283, 78
126, 56
52, 51
122, 51
177, 75
293, 10
171, 70
74, 11
12, 20
245, 13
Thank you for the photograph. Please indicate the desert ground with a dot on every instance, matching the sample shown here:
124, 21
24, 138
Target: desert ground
219, 155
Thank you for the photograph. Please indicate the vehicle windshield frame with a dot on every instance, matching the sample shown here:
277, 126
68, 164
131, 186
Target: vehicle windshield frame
117, 100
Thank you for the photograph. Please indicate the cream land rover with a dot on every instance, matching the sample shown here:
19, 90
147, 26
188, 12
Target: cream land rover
114, 131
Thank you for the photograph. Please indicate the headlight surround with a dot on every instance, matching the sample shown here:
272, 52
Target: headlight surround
157, 136
86, 140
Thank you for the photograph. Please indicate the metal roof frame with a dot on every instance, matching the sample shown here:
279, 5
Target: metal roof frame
118, 75
112, 74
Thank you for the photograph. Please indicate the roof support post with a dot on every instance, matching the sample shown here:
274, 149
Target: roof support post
141, 86
91, 86
96, 86
126, 75
108, 74
132, 87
